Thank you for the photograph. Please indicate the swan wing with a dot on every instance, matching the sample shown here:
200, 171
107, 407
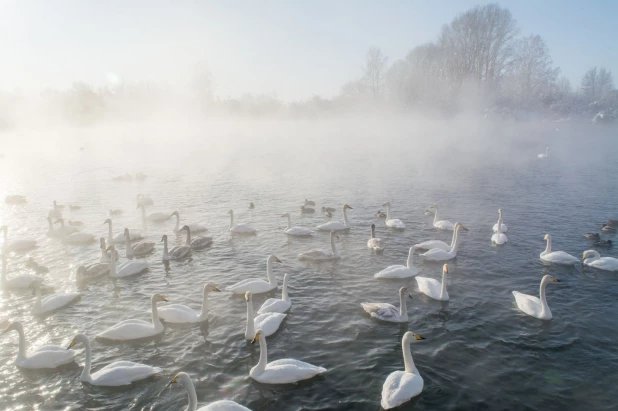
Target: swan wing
256, 286
201, 242
400, 387
396, 271
268, 322
143, 247
317, 255
428, 245
395, 223
123, 373
223, 405
56, 301
429, 286
178, 313
129, 330
382, 311
375, 243
288, 371
529, 304
435, 254
332, 226
48, 356
133, 267
179, 251
274, 305
298, 231
605, 263
499, 238
242, 228
560, 257
444, 225
504, 228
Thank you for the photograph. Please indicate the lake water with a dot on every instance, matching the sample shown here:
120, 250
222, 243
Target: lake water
480, 352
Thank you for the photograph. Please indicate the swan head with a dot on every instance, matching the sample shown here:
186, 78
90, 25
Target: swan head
500, 211
409, 337
164, 238
181, 378
175, 213
387, 204
589, 254
403, 291
434, 206
272, 258
258, 333
334, 234
547, 237
288, 214
445, 269
108, 221
111, 248
208, 287
549, 279
347, 207
230, 212
13, 326
185, 227
248, 296
373, 226
79, 338
461, 227
158, 297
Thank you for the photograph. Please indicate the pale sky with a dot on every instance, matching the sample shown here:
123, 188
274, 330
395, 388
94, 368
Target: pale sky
291, 48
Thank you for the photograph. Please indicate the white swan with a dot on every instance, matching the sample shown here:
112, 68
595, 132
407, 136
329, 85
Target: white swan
534, 306
144, 200
16, 245
268, 322
18, 282
276, 305
296, 231
91, 272
499, 238
321, 255
544, 155
181, 314
284, 371
126, 269
428, 245
433, 288
437, 254
128, 330
59, 232
375, 243
504, 228
177, 252
77, 238
138, 249
257, 285
120, 237
222, 405
592, 258
240, 228
558, 257
196, 242
46, 356
195, 227
392, 222
116, 374
402, 386
52, 302
388, 312
400, 271
155, 216
336, 225
441, 224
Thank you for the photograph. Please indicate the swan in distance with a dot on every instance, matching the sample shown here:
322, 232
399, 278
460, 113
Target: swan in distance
400, 271
441, 224
545, 155
557, 257
401, 386
433, 288
155, 216
375, 243
531, 305
240, 228
322, 255
428, 245
592, 258
388, 312
267, 322
181, 314
336, 225
392, 222
499, 238
126, 269
257, 285
128, 330
222, 405
296, 230
276, 305
504, 228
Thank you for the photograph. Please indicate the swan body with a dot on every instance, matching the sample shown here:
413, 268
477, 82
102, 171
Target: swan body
309, 203
181, 314
375, 243
240, 228
128, 330
499, 238
18, 282
437, 254
257, 285
143, 200
557, 257
223, 405
336, 225
276, 305
60, 232
306, 210
126, 269
91, 272
592, 258
120, 238
533, 306
441, 224
428, 245
267, 322
392, 222
137, 249
433, 288
296, 231
401, 386
155, 216
16, 245
388, 312
400, 271
176, 253
53, 302
198, 242
285, 371
545, 155
195, 227
322, 255
503, 227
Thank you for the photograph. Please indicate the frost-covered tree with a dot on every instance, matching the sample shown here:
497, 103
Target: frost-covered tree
375, 71
597, 84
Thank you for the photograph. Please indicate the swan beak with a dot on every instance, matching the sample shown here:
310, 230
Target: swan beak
257, 336
446, 268
164, 299
410, 295
173, 381
418, 337
277, 260
248, 296
463, 227
215, 289
71, 345
554, 279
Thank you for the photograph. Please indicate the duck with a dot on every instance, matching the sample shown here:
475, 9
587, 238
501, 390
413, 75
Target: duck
322, 255
328, 209
181, 314
306, 210
557, 257
197, 242
144, 200
77, 238
128, 330
257, 285
432, 288
92, 272
388, 312
374, 243
592, 258
603, 243
593, 236
401, 386
251, 206
127, 177
52, 302
138, 249
441, 224
17, 282
545, 155
438, 254
177, 252
608, 228
106, 255
328, 214
534, 306
240, 228
44, 357
499, 237
285, 371
309, 203
16, 245
296, 230
503, 226
115, 374
267, 322
392, 222
380, 214
195, 227
15, 199
428, 245
156, 216
126, 269
336, 225
400, 271
276, 305
120, 238
222, 405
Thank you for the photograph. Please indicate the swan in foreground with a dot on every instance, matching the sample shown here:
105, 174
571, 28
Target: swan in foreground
52, 302
322, 255
197, 242
128, 330
534, 306
268, 322
433, 288
499, 237
16, 245
437, 254
177, 252
240, 228
557, 257
181, 314
296, 230
155, 216
544, 155
285, 371
120, 237
400, 271
592, 258
223, 405
138, 249
92, 272
77, 238
126, 269
276, 305
504, 228
392, 222
428, 245
18, 282
336, 225
106, 255
195, 227
402, 386
144, 200
257, 285
441, 224
116, 374
388, 312
375, 243
46, 356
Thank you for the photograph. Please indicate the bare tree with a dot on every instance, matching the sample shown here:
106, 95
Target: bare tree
375, 70
597, 84
202, 84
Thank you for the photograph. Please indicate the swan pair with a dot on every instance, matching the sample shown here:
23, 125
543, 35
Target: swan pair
499, 237
132, 329
392, 222
592, 258
296, 230
18, 282
257, 285
439, 254
400, 271
268, 322
322, 255
52, 302
533, 306
374, 243
194, 227
336, 225
557, 257
240, 228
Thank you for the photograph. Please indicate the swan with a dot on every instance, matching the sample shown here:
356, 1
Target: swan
592, 258
137, 249
392, 222
380, 214
322, 255
402, 386
106, 255
251, 206
268, 322
441, 224
128, 330
499, 238
608, 228
120, 237
18, 282
544, 155
284, 371
176, 253
504, 228
46, 356
388, 312
336, 225
240, 228
126, 269
328, 209
195, 227
296, 231
375, 243
276, 305
257, 285
309, 203
91, 272
533, 306
144, 200
62, 231
428, 245
437, 254
116, 374
558, 257
52, 302
77, 238
16, 245
306, 210
181, 314
433, 288
222, 405
196, 242
156, 216
400, 271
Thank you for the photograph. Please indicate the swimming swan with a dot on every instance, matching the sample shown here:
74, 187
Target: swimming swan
592, 258
16, 245
276, 305
428, 245
197, 242
106, 255
223, 405
240, 228
504, 227
437, 254
144, 200
336, 225
544, 155
120, 237
126, 269
176, 253
499, 238
388, 312
154, 216
373, 242
267, 322
257, 285
322, 255
128, 330
534, 306
59, 232
195, 227
441, 224
18, 282
91, 272
433, 288
181, 314
400, 271
558, 257
392, 222
76, 238
296, 230
138, 249
402, 386
52, 302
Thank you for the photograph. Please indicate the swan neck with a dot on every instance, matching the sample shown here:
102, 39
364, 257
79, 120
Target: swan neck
455, 244
454, 236
176, 227
192, 396
110, 236
407, 356
188, 236
204, 312
261, 366
403, 308
548, 247
231, 220
443, 288
289, 222
435, 216
373, 232
284, 291
165, 251
544, 306
86, 371
155, 315
112, 263
250, 330
410, 262
499, 231
21, 354
37, 304
388, 212
345, 216
269, 272
332, 245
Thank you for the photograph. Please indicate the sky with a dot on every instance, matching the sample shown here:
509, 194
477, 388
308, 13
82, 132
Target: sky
291, 49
